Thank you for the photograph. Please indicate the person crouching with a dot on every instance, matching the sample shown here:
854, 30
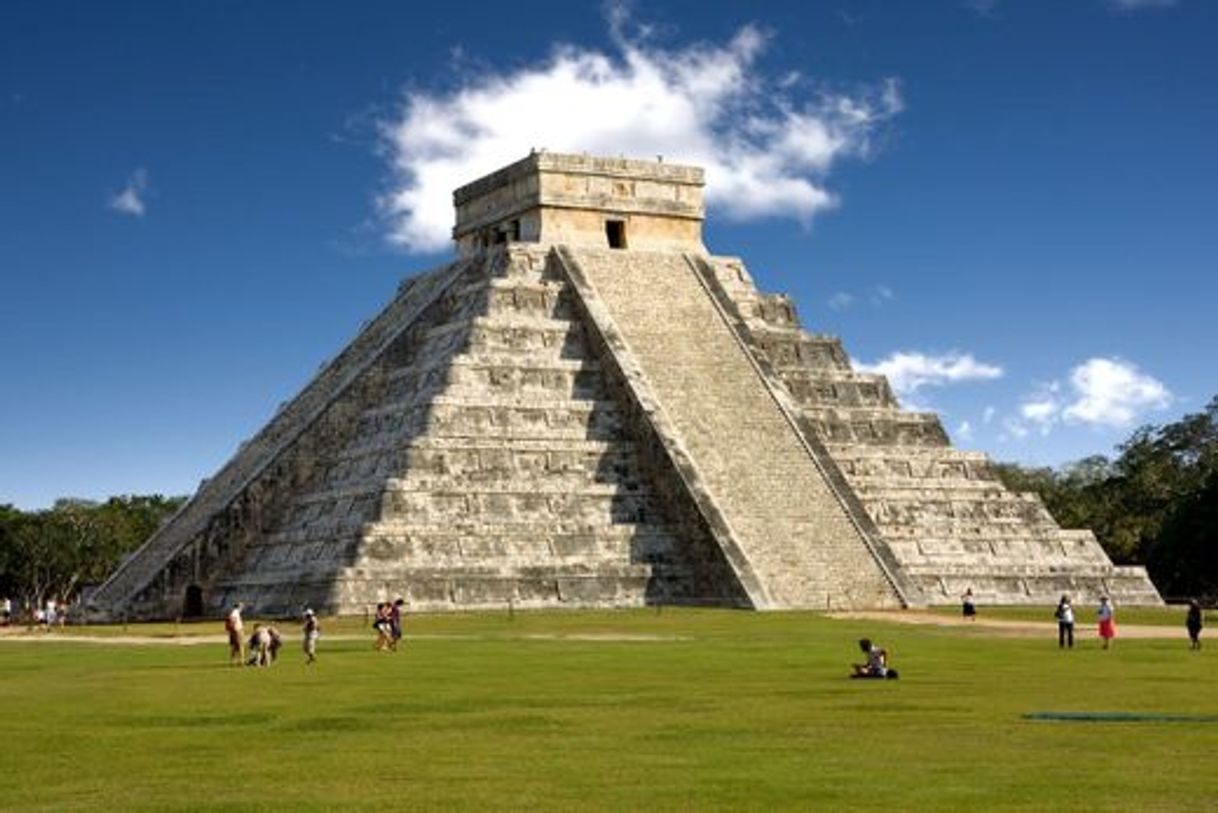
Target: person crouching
877, 662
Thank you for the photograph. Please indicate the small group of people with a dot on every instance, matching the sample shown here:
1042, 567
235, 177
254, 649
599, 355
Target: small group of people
265, 641
388, 625
1105, 615
54, 613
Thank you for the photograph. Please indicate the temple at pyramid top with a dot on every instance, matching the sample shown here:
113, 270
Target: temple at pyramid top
582, 200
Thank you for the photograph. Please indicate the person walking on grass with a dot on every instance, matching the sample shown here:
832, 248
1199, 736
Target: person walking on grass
312, 631
395, 623
236, 640
1107, 618
1192, 623
382, 626
1065, 623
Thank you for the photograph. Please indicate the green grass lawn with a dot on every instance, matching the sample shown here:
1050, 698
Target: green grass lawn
714, 710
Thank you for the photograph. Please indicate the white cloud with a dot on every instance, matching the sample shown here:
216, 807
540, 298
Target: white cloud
766, 144
881, 294
841, 300
1112, 392
908, 372
1139, 5
988, 415
130, 201
1107, 392
983, 8
965, 430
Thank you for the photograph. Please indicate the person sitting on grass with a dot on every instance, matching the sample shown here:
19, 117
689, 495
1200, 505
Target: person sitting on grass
877, 662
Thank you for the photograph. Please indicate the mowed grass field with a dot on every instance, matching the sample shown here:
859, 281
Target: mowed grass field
632, 710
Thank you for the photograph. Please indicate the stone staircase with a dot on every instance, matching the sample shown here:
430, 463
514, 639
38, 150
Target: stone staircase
945, 516
790, 536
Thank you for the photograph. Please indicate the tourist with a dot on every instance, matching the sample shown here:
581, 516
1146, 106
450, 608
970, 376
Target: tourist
395, 623
275, 644
382, 625
1106, 617
1065, 623
312, 631
6, 611
260, 647
967, 606
234, 627
1193, 624
877, 662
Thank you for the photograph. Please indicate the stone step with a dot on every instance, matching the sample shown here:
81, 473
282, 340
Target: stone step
782, 524
562, 527
536, 418
999, 528
918, 512
899, 488
608, 507
870, 427
490, 464
1030, 552
491, 377
796, 348
838, 388
507, 295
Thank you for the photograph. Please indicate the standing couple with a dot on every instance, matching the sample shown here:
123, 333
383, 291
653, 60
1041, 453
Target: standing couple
388, 625
1065, 622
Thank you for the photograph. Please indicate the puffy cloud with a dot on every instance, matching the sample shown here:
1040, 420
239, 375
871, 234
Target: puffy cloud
130, 201
908, 372
1106, 392
841, 300
766, 144
1112, 392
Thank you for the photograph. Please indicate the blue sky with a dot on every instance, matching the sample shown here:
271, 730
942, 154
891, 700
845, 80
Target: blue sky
1007, 205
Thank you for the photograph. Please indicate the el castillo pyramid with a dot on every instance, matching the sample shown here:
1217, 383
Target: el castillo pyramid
586, 409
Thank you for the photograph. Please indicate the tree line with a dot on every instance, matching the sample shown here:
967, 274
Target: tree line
1154, 504
51, 554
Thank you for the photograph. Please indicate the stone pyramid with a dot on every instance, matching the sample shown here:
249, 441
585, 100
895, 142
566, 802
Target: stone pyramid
588, 409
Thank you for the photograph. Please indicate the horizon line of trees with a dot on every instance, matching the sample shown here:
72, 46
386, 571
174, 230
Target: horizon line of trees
52, 553
1155, 504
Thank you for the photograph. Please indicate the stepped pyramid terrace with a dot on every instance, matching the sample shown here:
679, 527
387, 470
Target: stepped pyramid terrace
587, 409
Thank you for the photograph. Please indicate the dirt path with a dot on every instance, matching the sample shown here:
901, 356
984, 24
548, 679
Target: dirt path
1017, 629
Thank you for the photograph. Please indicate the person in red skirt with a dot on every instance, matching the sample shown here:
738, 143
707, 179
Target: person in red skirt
1107, 621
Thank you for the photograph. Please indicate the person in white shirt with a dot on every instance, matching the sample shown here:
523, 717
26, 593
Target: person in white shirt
1065, 623
234, 627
